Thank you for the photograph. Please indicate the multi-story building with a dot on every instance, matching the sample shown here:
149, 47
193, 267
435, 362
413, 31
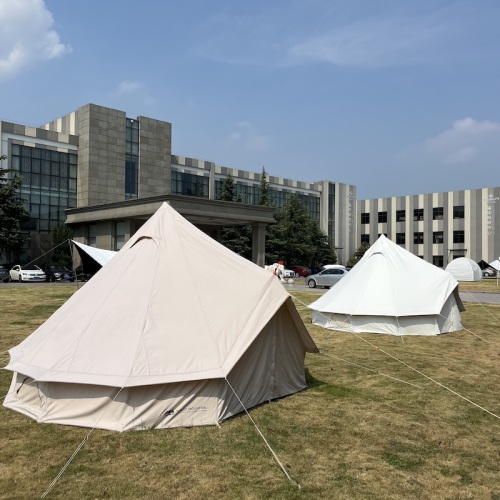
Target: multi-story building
437, 227
104, 174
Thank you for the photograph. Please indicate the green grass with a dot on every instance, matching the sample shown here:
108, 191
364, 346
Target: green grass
354, 433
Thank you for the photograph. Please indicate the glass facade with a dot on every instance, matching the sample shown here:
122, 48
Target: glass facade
189, 184
250, 193
131, 159
49, 184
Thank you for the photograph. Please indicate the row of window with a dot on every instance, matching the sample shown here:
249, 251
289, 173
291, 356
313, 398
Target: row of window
418, 237
418, 214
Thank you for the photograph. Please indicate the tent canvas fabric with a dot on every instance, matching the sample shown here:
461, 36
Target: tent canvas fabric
157, 336
391, 291
92, 258
464, 269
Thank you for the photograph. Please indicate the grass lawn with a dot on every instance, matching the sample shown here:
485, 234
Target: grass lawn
367, 427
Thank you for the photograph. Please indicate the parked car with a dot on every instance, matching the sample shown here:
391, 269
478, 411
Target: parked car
288, 273
58, 273
27, 273
326, 278
301, 271
489, 271
4, 274
317, 269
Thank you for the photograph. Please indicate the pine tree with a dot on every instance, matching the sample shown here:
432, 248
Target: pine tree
12, 212
264, 198
61, 255
236, 238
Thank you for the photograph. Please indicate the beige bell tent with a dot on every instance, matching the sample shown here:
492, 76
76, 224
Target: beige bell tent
391, 291
464, 269
175, 330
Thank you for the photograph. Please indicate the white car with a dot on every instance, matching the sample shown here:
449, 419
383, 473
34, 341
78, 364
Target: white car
326, 278
28, 273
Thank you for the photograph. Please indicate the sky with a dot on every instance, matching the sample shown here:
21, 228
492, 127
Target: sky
395, 97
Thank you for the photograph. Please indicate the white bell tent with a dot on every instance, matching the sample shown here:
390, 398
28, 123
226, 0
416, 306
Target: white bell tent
175, 330
391, 291
464, 269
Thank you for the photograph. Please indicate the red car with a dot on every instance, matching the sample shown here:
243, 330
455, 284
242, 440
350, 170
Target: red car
301, 271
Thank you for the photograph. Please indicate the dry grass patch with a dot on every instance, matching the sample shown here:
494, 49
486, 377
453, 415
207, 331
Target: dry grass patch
354, 433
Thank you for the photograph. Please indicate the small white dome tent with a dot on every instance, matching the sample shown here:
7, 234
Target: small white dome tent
175, 330
464, 269
391, 291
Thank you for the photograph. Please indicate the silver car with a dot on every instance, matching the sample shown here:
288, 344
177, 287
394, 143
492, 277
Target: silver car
326, 278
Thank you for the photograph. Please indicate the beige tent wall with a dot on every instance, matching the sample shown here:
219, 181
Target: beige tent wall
272, 367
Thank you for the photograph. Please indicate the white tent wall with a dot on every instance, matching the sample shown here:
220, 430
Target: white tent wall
464, 269
449, 320
391, 291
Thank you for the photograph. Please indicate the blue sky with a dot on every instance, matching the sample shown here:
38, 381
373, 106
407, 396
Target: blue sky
394, 96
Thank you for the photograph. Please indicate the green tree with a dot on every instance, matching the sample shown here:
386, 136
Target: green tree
322, 252
296, 238
236, 238
264, 198
358, 254
12, 213
61, 254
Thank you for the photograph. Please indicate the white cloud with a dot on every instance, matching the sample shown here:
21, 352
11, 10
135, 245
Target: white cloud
465, 142
26, 36
128, 87
245, 136
381, 41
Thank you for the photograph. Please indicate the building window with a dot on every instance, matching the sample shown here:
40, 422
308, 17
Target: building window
437, 237
92, 235
437, 213
119, 235
437, 260
382, 216
400, 238
458, 237
365, 218
400, 215
189, 184
418, 214
365, 238
418, 238
131, 159
380, 234
458, 212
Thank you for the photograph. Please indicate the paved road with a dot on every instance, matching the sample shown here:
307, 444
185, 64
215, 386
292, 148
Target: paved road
466, 296
299, 286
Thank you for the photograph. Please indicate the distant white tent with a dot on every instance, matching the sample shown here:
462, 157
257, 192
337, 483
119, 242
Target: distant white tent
175, 330
495, 264
391, 291
464, 269
92, 258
